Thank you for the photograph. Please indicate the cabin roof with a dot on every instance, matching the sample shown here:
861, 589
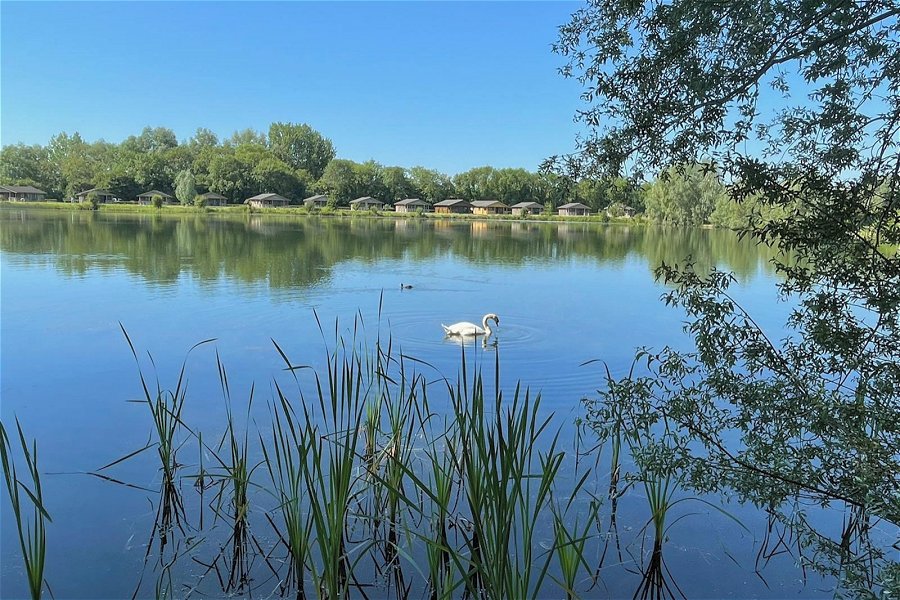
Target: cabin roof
452, 202
488, 204
98, 191
155, 193
22, 189
268, 196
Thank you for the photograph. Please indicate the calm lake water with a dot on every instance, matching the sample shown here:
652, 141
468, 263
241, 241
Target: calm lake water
566, 294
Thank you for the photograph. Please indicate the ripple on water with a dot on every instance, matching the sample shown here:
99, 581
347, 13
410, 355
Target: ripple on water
528, 355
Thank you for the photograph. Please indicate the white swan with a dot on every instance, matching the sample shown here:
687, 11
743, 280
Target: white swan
464, 328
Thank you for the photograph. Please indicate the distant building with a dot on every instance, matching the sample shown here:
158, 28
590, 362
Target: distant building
365, 203
411, 205
214, 199
103, 196
317, 201
527, 208
489, 207
620, 210
453, 205
23, 193
574, 209
147, 197
267, 201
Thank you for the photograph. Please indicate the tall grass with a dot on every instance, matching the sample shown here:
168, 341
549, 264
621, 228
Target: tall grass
507, 484
232, 454
32, 531
165, 407
372, 487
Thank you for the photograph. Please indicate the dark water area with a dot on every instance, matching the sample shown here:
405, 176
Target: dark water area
573, 299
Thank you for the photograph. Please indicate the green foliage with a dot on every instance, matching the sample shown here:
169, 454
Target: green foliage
301, 147
684, 196
810, 416
31, 517
200, 201
430, 185
156, 201
23, 165
91, 201
185, 187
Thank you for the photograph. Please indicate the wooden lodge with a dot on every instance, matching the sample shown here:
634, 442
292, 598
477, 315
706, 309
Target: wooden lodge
366, 203
574, 209
317, 201
22, 193
453, 206
147, 197
214, 199
103, 196
527, 208
267, 201
411, 205
489, 207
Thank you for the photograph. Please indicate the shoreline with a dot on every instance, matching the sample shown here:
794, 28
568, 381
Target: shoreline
303, 212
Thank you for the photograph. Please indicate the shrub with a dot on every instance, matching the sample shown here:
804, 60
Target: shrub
156, 201
199, 201
92, 202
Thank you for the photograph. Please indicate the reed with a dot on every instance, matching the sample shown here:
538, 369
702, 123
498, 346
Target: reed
328, 428
570, 549
655, 585
232, 453
438, 551
31, 528
286, 458
360, 468
507, 484
165, 408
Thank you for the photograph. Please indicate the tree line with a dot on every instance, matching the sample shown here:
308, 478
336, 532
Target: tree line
296, 161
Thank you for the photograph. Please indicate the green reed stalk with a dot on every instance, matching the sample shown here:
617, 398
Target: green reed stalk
236, 478
507, 485
329, 466
165, 411
287, 461
440, 576
32, 532
569, 549
659, 490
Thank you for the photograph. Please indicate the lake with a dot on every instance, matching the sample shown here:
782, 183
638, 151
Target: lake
573, 300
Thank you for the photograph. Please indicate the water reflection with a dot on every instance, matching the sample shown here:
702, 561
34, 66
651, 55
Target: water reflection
302, 253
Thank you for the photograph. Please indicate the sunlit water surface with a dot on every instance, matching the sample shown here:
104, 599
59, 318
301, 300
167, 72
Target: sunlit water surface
574, 299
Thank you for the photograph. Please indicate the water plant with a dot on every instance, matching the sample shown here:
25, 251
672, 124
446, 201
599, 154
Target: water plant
362, 471
165, 408
32, 532
286, 457
507, 485
235, 482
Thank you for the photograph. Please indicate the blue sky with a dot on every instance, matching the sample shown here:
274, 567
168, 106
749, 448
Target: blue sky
445, 85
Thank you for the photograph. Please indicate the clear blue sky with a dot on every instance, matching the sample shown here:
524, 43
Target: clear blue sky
445, 85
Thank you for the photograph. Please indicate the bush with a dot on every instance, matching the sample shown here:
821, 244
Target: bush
156, 201
92, 202
199, 201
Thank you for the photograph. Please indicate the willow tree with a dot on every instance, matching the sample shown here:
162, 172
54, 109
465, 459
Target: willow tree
797, 104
